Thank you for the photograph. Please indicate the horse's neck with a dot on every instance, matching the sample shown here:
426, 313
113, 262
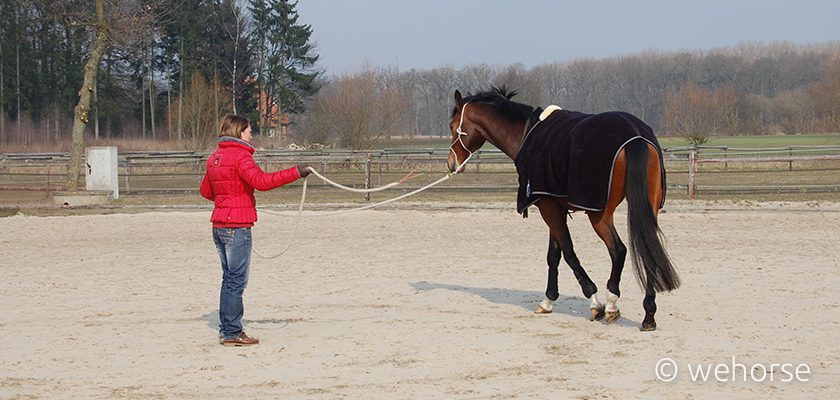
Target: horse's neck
507, 136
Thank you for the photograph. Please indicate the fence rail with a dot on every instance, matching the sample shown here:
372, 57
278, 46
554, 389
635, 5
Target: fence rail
691, 170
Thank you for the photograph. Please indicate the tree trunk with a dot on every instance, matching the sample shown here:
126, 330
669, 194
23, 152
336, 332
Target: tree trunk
215, 87
57, 125
181, 94
2, 109
81, 111
233, 84
169, 92
143, 105
238, 18
152, 92
95, 113
261, 106
47, 137
17, 71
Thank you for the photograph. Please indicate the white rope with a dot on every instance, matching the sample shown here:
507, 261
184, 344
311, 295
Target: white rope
303, 199
288, 242
349, 189
390, 185
369, 206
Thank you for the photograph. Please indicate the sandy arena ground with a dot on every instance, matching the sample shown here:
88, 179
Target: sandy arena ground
421, 304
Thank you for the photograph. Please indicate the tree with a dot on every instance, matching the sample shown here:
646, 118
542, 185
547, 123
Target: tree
285, 59
187, 38
101, 31
5, 11
124, 20
825, 97
515, 76
234, 52
200, 112
357, 109
697, 113
795, 112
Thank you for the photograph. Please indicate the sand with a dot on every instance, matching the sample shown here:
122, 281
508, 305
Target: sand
420, 304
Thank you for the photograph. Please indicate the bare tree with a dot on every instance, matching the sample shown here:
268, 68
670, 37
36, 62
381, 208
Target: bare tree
442, 83
101, 31
125, 21
550, 77
795, 112
235, 32
2, 101
584, 82
357, 109
516, 78
696, 113
826, 97
200, 110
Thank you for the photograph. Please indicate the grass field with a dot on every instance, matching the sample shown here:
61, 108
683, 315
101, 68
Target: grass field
758, 141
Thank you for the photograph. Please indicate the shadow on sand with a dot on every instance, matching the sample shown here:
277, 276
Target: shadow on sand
569, 305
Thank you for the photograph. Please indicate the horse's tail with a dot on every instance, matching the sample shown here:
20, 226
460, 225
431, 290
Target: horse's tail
651, 262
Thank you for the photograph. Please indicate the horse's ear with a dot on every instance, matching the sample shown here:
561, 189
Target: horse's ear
459, 101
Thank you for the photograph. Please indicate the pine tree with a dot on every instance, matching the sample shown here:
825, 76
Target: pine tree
5, 34
285, 59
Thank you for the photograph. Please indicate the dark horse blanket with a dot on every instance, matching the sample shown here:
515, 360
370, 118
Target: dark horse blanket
571, 154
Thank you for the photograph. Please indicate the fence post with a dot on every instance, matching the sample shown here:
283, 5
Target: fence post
790, 154
725, 157
367, 175
127, 173
692, 168
49, 180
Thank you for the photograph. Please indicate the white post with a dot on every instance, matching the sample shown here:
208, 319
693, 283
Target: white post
101, 170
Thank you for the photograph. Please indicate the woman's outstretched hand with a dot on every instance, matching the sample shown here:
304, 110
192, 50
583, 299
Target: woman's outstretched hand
303, 170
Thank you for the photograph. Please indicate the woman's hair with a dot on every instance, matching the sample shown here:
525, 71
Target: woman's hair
233, 125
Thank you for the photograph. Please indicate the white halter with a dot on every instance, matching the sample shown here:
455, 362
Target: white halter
460, 134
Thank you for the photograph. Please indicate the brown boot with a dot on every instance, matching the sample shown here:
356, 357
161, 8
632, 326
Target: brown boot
240, 340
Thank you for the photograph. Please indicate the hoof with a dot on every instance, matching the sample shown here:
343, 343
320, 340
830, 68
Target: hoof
613, 316
648, 326
597, 313
541, 310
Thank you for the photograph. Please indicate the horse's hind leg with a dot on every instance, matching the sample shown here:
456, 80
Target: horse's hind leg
649, 304
560, 245
602, 222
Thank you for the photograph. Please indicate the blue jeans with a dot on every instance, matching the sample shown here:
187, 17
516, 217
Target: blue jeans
234, 246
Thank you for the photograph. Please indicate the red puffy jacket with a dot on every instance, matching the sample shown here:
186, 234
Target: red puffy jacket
230, 180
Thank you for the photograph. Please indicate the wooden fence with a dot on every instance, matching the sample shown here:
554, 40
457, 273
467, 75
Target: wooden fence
693, 171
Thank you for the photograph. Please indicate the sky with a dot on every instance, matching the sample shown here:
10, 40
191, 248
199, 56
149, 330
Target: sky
424, 34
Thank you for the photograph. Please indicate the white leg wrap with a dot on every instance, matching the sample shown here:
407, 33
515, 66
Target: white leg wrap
594, 302
612, 301
547, 304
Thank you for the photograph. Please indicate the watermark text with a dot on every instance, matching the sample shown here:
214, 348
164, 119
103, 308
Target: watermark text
668, 369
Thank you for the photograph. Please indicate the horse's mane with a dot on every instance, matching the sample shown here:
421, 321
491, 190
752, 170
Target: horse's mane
500, 99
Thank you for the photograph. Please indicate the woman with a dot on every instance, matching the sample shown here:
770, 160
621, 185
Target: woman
230, 180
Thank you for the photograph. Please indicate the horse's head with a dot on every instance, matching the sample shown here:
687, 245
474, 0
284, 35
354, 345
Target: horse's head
466, 137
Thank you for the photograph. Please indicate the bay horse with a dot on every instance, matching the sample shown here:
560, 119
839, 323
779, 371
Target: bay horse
568, 149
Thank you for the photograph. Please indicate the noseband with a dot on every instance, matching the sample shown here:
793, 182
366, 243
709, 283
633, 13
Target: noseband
460, 140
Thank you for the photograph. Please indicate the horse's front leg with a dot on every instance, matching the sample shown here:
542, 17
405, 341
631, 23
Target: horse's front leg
551, 291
